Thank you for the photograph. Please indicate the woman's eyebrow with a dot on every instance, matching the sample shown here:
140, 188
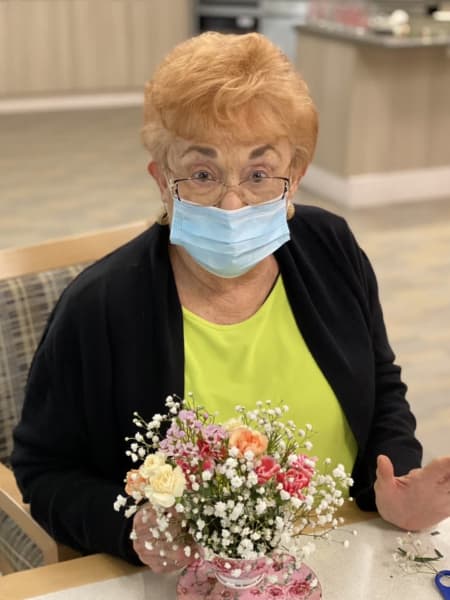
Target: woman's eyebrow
205, 150
258, 152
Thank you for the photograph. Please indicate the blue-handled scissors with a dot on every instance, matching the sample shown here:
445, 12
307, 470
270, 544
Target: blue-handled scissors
443, 588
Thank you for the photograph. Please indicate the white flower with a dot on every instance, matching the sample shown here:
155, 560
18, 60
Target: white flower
236, 482
252, 479
120, 502
151, 464
130, 511
296, 502
237, 511
201, 524
308, 549
220, 509
165, 485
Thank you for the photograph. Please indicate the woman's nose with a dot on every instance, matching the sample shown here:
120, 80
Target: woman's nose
231, 199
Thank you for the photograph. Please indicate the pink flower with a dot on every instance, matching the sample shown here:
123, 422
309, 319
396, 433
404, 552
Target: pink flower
208, 465
293, 482
298, 589
245, 439
266, 469
303, 463
204, 448
275, 591
298, 476
135, 483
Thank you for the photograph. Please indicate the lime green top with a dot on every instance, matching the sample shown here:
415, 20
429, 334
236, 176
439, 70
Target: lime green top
265, 357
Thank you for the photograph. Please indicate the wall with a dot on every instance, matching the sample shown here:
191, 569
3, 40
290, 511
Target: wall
72, 46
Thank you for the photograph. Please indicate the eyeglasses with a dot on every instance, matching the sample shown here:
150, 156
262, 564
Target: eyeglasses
208, 191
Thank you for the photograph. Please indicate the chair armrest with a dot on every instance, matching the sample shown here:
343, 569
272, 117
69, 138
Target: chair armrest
11, 503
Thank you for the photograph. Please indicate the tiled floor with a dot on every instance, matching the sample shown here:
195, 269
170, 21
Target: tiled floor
64, 173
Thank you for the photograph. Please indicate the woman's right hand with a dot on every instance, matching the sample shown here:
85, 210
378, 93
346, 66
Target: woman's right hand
159, 554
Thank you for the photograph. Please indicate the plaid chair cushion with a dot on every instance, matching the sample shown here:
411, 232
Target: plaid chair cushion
16, 547
25, 304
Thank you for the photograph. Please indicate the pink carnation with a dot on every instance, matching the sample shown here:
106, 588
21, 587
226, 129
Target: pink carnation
266, 469
297, 477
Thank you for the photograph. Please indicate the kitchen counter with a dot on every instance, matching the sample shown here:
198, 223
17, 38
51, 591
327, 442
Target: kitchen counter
430, 36
384, 118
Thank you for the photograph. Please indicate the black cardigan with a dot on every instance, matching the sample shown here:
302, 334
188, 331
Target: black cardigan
114, 345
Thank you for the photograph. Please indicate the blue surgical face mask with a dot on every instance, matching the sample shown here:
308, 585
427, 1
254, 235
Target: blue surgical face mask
228, 243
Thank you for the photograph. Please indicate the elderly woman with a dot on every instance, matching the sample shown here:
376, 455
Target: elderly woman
234, 294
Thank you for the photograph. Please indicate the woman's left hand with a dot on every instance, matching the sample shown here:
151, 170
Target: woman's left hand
417, 500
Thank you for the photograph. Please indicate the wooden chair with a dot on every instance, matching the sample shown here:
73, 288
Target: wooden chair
31, 280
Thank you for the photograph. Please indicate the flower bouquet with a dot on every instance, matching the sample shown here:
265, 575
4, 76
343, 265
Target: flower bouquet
245, 493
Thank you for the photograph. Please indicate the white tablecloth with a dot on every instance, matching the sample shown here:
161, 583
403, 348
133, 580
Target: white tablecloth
364, 571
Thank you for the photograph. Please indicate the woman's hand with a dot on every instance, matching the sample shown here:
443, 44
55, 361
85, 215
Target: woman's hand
417, 500
159, 554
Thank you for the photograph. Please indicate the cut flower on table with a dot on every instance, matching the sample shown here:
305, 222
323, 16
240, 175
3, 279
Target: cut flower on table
244, 489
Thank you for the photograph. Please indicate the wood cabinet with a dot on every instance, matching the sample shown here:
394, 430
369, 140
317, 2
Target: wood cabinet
384, 115
77, 46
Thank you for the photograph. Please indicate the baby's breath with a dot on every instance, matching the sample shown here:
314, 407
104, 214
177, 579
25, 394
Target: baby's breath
417, 554
234, 500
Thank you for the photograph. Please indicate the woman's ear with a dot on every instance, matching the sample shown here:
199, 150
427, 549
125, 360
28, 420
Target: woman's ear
295, 182
158, 175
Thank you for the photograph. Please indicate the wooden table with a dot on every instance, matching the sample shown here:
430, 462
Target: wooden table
336, 568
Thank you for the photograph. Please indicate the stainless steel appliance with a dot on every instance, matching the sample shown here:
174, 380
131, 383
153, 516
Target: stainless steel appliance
278, 20
232, 16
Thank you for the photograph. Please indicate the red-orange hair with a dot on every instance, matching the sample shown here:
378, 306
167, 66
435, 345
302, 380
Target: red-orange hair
242, 87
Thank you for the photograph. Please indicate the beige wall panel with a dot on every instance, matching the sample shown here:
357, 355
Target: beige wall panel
141, 59
328, 68
156, 28
100, 46
409, 75
4, 35
381, 109
114, 46
86, 45
36, 46
18, 51
439, 110
391, 108
47, 35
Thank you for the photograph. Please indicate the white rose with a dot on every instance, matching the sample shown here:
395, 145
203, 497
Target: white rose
151, 464
165, 485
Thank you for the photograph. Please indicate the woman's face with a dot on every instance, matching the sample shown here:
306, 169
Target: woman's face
229, 163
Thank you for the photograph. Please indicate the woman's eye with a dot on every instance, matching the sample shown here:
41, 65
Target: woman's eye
202, 176
258, 176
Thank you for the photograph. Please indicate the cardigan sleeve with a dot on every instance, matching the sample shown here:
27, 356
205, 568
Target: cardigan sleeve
60, 457
392, 430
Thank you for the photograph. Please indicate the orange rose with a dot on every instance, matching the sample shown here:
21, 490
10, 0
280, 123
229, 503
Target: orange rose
244, 439
135, 482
